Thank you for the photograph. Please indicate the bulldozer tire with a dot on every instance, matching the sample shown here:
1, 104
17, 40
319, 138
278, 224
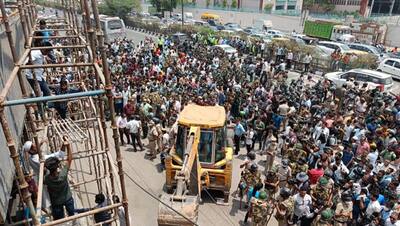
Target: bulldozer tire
170, 190
226, 196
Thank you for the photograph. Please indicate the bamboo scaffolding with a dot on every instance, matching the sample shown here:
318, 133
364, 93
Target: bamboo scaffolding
85, 214
80, 130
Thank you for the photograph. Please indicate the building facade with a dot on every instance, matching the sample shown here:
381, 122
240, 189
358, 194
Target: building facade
278, 6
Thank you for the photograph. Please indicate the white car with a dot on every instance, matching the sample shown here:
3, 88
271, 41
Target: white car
229, 50
273, 32
335, 45
391, 66
373, 78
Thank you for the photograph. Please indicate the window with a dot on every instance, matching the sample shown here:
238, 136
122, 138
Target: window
389, 62
219, 144
349, 75
114, 24
206, 146
397, 65
291, 7
180, 141
362, 77
279, 7
386, 81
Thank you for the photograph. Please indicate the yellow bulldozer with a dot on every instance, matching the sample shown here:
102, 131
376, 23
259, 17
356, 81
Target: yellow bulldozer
199, 160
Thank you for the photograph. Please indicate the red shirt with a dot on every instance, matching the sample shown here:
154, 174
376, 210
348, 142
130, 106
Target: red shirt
315, 174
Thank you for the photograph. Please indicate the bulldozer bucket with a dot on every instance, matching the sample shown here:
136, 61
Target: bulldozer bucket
188, 207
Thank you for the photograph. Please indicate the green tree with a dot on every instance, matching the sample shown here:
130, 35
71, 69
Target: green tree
234, 4
208, 3
224, 3
118, 7
268, 7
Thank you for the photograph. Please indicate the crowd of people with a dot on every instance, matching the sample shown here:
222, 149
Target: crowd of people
331, 153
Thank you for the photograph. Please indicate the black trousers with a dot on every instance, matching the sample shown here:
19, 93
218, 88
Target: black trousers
236, 139
136, 139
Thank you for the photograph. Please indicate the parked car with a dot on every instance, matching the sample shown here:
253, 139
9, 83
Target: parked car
229, 50
215, 25
274, 32
373, 78
368, 49
233, 27
253, 31
179, 37
335, 46
391, 66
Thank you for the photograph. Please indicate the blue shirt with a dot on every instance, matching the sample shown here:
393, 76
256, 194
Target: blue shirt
277, 120
347, 156
239, 130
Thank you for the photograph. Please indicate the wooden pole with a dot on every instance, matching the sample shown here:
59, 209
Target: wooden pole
26, 196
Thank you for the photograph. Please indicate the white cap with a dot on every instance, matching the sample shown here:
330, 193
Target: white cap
27, 146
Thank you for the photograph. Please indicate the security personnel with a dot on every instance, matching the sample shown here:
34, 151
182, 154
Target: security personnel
152, 136
324, 219
251, 178
284, 207
271, 182
258, 210
344, 209
321, 191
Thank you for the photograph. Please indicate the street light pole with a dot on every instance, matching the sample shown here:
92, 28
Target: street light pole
182, 14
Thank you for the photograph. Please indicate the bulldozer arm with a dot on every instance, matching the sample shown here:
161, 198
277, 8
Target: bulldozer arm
183, 204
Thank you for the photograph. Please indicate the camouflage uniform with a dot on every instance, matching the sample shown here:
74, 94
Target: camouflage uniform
299, 168
288, 205
271, 177
321, 192
259, 211
251, 179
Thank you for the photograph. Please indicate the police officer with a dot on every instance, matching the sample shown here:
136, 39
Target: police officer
152, 137
321, 192
284, 207
258, 209
251, 180
344, 209
324, 219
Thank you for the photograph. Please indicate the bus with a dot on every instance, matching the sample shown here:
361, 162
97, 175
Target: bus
112, 27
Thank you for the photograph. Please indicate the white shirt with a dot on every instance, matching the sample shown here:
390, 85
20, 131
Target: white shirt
249, 137
347, 132
301, 203
121, 122
389, 223
290, 56
133, 126
373, 207
37, 59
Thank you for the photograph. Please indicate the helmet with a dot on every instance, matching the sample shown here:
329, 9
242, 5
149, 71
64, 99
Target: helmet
285, 192
326, 214
253, 167
262, 195
251, 155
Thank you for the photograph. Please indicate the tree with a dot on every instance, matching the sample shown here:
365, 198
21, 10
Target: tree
234, 4
164, 5
118, 7
224, 3
268, 7
208, 3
